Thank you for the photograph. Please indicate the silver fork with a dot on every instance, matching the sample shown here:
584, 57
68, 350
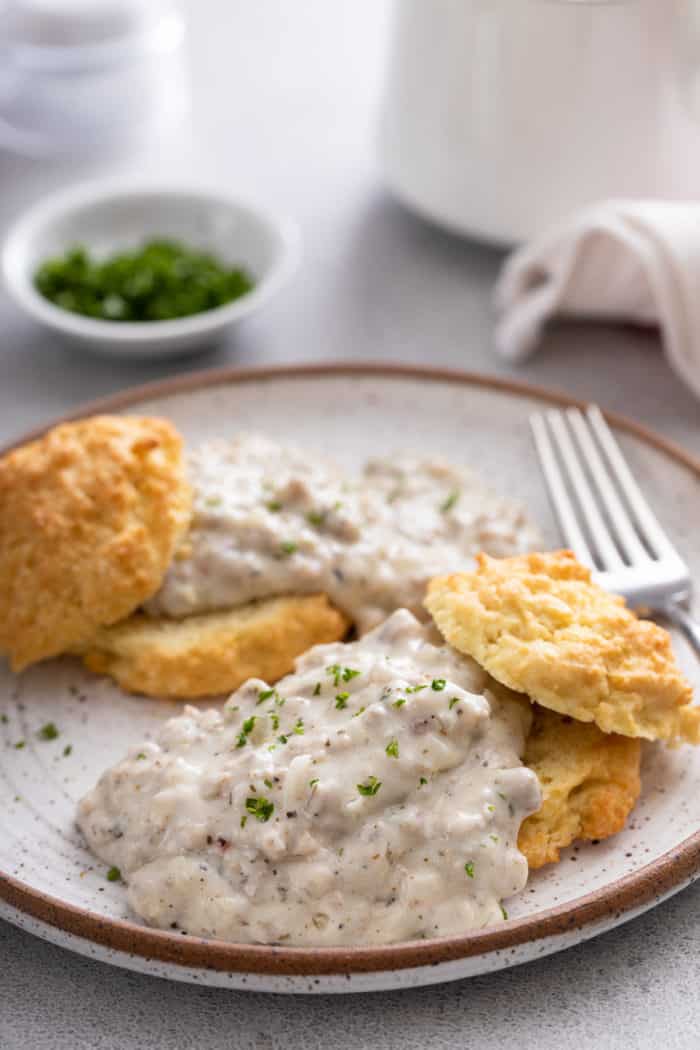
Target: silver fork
606, 520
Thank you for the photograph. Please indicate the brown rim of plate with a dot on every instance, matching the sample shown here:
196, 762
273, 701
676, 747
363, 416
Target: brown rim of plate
626, 895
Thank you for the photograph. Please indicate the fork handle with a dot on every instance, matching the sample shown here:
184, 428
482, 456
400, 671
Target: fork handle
682, 618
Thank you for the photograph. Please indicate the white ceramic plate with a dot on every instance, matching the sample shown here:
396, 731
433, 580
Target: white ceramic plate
52, 886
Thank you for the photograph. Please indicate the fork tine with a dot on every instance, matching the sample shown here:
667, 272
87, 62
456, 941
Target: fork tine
619, 517
645, 518
598, 530
563, 507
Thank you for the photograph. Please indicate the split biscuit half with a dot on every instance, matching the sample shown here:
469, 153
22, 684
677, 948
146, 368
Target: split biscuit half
90, 516
589, 781
538, 624
213, 653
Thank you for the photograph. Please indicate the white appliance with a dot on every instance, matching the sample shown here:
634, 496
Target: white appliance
502, 116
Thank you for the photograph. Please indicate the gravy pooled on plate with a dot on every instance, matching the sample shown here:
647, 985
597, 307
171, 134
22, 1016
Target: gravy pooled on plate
270, 519
373, 796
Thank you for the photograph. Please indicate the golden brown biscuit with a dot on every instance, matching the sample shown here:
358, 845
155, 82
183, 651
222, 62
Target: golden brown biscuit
90, 515
539, 625
214, 653
589, 780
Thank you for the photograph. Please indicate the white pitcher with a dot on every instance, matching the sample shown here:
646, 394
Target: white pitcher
502, 116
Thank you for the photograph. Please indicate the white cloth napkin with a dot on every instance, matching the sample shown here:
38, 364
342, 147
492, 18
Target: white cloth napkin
635, 261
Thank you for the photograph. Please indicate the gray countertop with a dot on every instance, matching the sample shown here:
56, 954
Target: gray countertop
284, 103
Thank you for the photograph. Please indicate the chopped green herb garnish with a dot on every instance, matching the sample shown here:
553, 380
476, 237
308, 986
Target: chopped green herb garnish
415, 688
265, 694
48, 732
114, 874
261, 808
317, 689
160, 279
358, 713
316, 517
469, 868
494, 838
283, 739
244, 820
370, 787
3, 719
504, 913
453, 701
275, 720
392, 749
422, 781
438, 684
336, 671
341, 700
267, 782
288, 547
450, 502
274, 505
313, 783
20, 744
490, 808
67, 750
246, 728
141, 755
299, 727
399, 703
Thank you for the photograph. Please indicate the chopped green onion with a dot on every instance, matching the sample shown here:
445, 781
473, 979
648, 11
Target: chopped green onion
161, 279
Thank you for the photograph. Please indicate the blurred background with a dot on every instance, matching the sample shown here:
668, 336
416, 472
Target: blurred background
307, 109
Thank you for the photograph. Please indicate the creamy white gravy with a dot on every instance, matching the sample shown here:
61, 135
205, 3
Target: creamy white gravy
373, 796
270, 519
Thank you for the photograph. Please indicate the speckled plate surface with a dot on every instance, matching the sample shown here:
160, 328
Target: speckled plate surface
51, 885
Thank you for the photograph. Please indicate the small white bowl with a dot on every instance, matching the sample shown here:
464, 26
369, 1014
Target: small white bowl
114, 216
